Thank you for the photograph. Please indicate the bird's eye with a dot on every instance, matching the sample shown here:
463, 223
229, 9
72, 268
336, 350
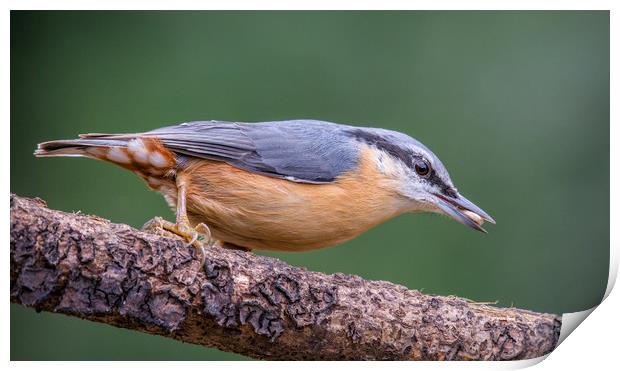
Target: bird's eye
422, 167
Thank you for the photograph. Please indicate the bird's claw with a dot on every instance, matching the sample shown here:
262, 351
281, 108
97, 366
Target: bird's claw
198, 237
157, 226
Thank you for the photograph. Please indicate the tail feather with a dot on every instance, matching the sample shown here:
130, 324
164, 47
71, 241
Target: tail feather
109, 136
144, 155
75, 147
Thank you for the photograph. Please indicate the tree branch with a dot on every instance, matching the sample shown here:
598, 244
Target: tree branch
258, 306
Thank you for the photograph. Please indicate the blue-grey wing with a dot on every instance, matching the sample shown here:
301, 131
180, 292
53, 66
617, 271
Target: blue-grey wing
300, 150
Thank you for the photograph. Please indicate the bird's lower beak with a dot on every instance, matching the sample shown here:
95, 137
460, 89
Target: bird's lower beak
464, 211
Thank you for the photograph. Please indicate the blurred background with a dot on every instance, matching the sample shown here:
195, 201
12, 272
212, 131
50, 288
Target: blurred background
516, 104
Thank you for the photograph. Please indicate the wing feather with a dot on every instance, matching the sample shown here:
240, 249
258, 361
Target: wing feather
300, 150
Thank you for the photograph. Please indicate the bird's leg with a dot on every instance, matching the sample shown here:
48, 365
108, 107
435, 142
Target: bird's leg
197, 236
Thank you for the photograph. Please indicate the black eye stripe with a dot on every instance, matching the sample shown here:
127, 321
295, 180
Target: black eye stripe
432, 176
396, 151
435, 179
405, 155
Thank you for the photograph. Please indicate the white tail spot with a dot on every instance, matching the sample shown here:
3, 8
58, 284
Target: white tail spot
158, 160
118, 155
138, 151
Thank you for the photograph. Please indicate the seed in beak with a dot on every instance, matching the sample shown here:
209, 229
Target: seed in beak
473, 216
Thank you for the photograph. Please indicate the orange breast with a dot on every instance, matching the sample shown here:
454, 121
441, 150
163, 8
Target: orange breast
260, 212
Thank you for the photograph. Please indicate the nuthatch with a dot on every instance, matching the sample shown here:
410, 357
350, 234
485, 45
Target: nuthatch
289, 185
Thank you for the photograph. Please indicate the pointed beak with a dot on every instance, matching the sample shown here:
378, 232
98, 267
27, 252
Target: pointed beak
463, 211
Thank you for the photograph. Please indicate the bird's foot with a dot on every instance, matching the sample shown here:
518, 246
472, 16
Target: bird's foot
199, 236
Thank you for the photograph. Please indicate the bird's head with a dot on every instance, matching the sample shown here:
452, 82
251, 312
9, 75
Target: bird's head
419, 176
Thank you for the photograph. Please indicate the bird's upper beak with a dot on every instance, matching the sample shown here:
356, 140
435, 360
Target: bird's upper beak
462, 210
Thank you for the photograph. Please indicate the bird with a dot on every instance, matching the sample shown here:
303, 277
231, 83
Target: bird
293, 185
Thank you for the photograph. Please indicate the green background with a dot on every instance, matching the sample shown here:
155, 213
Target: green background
516, 104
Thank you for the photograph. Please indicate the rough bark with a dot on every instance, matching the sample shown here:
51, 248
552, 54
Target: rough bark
258, 306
